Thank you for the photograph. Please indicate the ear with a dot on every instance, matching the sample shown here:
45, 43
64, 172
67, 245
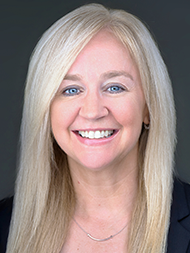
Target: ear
146, 118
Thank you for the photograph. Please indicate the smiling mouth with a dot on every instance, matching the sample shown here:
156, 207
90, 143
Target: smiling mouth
99, 134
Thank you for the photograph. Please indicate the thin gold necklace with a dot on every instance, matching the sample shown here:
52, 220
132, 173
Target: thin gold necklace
96, 239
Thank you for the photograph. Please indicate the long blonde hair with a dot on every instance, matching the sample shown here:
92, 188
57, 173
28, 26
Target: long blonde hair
44, 198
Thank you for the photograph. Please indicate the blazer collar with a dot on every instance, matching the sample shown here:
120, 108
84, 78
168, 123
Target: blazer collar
179, 232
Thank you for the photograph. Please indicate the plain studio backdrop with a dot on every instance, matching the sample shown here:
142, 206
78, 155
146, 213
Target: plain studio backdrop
22, 24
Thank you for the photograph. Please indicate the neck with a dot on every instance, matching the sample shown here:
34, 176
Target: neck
105, 195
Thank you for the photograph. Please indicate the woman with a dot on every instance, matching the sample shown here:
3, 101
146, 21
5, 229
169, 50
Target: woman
97, 140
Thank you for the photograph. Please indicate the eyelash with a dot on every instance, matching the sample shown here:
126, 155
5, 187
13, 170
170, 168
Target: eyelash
118, 87
67, 92
73, 91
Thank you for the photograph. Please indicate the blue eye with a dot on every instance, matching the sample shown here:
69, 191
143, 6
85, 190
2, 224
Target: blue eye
71, 91
115, 89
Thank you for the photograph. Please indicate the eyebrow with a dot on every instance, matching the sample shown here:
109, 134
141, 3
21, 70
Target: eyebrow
106, 75
111, 74
73, 77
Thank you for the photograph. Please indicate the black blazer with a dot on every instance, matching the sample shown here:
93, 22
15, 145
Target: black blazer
5, 217
179, 231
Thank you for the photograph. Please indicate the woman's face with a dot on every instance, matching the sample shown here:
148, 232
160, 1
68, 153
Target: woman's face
98, 111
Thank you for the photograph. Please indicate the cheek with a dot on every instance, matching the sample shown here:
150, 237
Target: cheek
59, 119
129, 111
55, 115
62, 114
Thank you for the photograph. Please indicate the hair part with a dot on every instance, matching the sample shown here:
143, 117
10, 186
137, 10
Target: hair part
44, 187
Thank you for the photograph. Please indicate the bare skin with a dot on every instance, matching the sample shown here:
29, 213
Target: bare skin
102, 210
101, 91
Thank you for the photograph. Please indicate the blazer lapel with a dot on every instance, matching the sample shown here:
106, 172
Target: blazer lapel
179, 232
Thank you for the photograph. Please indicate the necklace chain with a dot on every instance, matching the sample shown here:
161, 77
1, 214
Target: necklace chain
96, 239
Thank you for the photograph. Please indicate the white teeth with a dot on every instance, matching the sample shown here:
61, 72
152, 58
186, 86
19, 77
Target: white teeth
102, 134
96, 134
91, 135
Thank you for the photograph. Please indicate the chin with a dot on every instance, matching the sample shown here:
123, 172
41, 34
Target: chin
91, 164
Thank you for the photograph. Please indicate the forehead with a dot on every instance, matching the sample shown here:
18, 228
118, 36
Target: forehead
104, 41
104, 52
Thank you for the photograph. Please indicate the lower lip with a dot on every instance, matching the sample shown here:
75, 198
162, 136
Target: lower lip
95, 142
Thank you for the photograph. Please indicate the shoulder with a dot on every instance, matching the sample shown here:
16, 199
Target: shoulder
181, 194
181, 201
5, 217
180, 184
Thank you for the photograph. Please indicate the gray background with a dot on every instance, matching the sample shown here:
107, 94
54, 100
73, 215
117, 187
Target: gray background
23, 22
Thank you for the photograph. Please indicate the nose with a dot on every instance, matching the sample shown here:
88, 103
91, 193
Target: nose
93, 107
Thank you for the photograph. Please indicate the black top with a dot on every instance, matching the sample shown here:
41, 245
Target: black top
5, 217
179, 231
